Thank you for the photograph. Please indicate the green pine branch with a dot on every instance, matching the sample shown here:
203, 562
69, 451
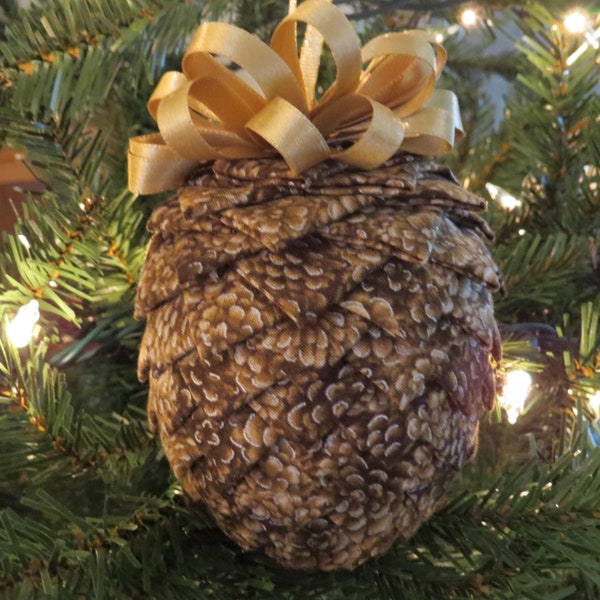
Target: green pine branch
69, 257
66, 141
36, 393
543, 144
75, 79
531, 535
58, 26
542, 275
583, 366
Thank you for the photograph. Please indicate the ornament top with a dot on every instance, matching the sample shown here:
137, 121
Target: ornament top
268, 105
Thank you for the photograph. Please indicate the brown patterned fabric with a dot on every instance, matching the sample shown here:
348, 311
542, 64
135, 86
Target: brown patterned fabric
319, 349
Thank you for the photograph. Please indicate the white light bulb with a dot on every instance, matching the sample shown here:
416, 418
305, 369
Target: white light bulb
23, 239
505, 199
514, 394
20, 328
493, 190
509, 202
468, 17
576, 22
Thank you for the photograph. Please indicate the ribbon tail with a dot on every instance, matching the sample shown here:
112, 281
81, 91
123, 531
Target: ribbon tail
447, 101
435, 128
153, 167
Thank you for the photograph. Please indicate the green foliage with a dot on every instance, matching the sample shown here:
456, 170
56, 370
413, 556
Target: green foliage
541, 275
531, 530
72, 256
8, 10
543, 155
77, 78
261, 18
65, 25
89, 506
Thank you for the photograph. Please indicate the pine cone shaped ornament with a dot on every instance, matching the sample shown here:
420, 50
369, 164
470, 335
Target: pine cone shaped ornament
318, 350
318, 346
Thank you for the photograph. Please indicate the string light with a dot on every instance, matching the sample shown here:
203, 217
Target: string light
591, 172
20, 328
468, 17
592, 40
24, 241
505, 199
514, 394
576, 22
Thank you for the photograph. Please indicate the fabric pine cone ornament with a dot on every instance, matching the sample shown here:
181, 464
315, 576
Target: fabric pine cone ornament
318, 292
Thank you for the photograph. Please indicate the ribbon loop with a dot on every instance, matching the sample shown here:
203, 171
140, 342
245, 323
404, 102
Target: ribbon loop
379, 141
335, 29
263, 64
265, 104
436, 127
291, 133
154, 166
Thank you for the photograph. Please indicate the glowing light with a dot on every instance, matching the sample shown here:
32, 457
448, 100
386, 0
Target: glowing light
591, 40
439, 38
24, 241
468, 17
493, 190
20, 328
595, 403
507, 200
522, 232
514, 394
576, 22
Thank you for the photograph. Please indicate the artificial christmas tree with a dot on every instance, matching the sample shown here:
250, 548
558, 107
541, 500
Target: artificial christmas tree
89, 505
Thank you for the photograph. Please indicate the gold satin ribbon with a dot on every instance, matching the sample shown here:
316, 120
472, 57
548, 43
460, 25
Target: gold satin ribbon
268, 106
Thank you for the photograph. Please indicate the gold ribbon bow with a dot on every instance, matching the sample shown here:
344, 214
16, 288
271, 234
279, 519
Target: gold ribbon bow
268, 106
